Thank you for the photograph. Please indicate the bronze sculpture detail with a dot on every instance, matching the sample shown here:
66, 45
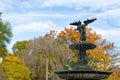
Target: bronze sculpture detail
81, 27
83, 56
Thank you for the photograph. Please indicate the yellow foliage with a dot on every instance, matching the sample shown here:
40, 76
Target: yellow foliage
116, 74
15, 68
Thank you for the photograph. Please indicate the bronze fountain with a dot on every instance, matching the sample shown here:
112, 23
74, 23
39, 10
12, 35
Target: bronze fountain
82, 71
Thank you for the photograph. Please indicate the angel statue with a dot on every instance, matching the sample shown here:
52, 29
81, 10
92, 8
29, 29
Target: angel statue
81, 27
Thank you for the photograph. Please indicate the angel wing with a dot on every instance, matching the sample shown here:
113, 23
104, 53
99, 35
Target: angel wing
89, 21
76, 23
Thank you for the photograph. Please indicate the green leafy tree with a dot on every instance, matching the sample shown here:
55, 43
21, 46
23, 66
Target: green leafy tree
5, 36
19, 46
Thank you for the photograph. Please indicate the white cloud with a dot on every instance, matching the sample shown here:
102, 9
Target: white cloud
111, 34
21, 18
31, 30
108, 19
28, 22
87, 5
93, 4
109, 13
34, 27
6, 5
26, 5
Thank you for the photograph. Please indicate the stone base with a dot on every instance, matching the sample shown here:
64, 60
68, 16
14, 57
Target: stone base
82, 74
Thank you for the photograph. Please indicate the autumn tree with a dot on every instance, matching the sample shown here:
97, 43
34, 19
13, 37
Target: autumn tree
15, 68
114, 65
116, 73
41, 49
50, 35
98, 58
36, 52
114, 58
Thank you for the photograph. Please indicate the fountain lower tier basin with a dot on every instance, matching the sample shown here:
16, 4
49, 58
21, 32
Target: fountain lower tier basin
82, 74
82, 45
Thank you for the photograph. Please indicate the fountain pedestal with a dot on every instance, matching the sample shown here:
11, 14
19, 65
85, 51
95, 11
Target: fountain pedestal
81, 71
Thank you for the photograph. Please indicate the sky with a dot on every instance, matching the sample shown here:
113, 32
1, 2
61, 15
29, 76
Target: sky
33, 18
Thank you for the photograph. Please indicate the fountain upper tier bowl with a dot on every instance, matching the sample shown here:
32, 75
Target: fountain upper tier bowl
82, 45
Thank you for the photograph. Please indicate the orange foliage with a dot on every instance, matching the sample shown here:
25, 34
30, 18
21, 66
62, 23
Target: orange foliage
50, 35
69, 34
116, 74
